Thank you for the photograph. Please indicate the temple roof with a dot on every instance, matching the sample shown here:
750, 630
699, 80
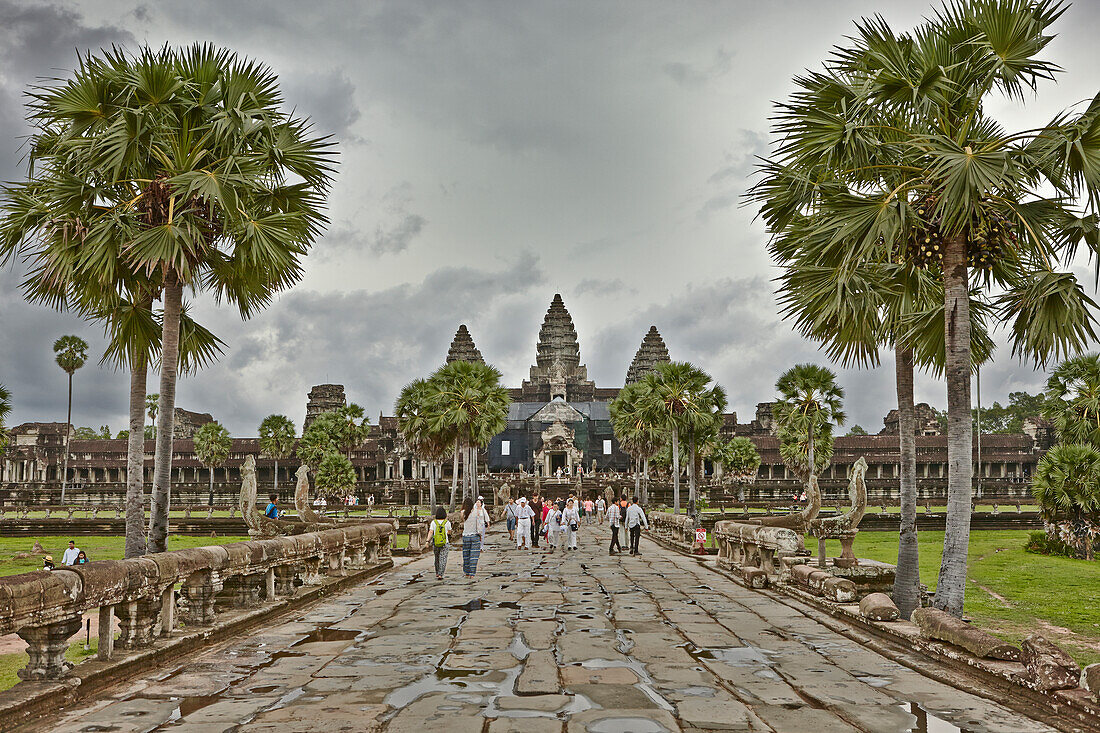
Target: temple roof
462, 347
651, 353
558, 340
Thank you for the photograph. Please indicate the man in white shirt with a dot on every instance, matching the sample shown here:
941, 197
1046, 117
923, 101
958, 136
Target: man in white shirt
524, 515
69, 558
635, 520
614, 520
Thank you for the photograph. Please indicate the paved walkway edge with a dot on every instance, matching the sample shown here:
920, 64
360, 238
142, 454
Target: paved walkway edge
28, 701
1073, 711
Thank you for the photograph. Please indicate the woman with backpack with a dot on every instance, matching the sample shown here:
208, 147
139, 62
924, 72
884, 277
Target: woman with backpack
440, 532
473, 529
570, 523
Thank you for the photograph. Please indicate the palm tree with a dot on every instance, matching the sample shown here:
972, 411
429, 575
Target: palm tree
335, 475
277, 436
466, 400
739, 460
151, 402
1067, 486
809, 405
413, 411
673, 398
319, 439
212, 445
892, 149
1073, 400
5, 409
71, 353
179, 162
354, 428
637, 433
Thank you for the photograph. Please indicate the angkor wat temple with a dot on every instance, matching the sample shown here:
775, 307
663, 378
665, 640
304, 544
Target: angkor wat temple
558, 422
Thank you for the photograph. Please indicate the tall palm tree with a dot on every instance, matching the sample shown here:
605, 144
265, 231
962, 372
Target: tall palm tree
637, 433
413, 410
673, 392
466, 400
212, 445
70, 353
277, 436
179, 162
151, 403
892, 148
809, 405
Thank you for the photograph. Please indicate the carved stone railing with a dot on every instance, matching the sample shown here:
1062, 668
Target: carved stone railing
755, 550
418, 537
676, 529
45, 608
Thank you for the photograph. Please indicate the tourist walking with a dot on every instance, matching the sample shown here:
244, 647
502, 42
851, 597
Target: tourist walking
440, 532
580, 508
536, 521
473, 529
570, 525
589, 511
510, 519
272, 510
70, 555
524, 515
601, 507
614, 519
635, 520
552, 521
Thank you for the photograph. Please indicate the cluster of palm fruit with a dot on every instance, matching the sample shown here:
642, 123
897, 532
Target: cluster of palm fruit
991, 235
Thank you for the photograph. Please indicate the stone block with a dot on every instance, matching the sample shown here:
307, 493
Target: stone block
1048, 666
937, 624
1090, 679
754, 577
878, 607
539, 675
840, 590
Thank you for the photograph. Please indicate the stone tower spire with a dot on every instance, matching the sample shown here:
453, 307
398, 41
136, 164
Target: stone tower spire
557, 340
651, 353
462, 347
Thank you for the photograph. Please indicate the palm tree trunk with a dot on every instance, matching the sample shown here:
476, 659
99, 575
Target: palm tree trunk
210, 496
275, 488
692, 486
68, 429
166, 409
135, 464
637, 476
951, 584
431, 486
675, 470
454, 478
907, 577
645, 482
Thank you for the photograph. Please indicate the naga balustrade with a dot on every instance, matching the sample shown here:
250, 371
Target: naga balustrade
742, 546
45, 608
676, 529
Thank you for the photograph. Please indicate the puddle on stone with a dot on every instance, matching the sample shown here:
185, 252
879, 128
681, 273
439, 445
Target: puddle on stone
508, 604
929, 723
518, 647
475, 605
737, 656
625, 725
263, 689
326, 633
874, 681
189, 705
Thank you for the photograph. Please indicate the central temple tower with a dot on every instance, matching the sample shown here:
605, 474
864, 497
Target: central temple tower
558, 372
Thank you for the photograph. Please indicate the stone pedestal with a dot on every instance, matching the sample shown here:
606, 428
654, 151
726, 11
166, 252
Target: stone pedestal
284, 580
137, 621
46, 647
200, 591
847, 557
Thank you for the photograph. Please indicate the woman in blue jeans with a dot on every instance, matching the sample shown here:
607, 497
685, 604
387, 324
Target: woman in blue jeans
474, 522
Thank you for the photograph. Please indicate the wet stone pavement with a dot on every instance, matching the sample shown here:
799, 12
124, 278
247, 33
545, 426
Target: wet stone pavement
573, 641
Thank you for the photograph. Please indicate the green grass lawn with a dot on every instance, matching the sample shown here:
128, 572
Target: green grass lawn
98, 548
1010, 592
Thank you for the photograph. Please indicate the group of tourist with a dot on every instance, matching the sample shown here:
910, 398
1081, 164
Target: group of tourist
527, 521
73, 555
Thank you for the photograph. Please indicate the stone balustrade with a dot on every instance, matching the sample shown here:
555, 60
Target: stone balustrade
752, 547
418, 537
45, 608
676, 529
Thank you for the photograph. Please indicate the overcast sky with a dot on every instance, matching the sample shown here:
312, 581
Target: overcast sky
492, 154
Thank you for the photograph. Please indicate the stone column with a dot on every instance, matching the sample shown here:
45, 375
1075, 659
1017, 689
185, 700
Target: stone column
106, 633
136, 621
242, 591
167, 611
284, 580
46, 647
269, 584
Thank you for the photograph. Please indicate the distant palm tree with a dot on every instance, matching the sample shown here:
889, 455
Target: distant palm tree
637, 432
152, 403
809, 405
5, 409
277, 436
212, 446
71, 353
413, 410
466, 400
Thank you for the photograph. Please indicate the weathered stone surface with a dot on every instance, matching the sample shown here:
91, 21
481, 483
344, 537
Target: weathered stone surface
840, 590
754, 577
937, 624
878, 607
1090, 679
539, 675
1048, 666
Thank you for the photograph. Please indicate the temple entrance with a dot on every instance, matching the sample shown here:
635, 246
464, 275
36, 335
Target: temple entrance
407, 468
557, 460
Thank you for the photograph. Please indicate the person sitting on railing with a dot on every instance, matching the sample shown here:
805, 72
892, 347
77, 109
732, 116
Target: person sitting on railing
272, 510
